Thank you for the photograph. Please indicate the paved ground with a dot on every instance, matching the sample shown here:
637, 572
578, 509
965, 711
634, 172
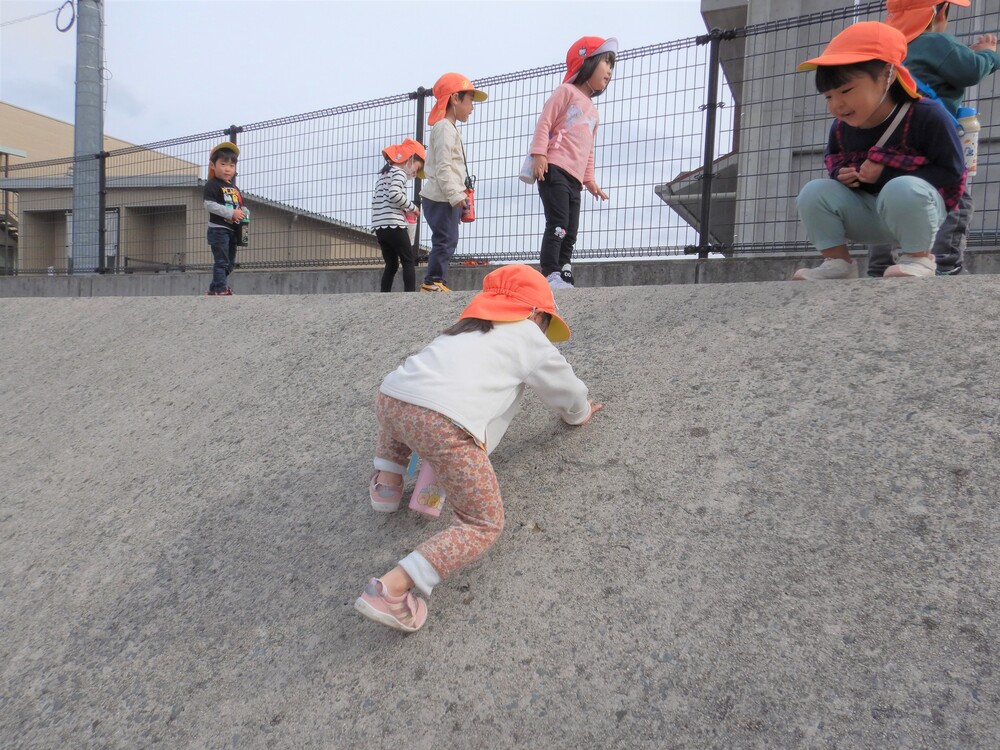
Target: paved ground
781, 532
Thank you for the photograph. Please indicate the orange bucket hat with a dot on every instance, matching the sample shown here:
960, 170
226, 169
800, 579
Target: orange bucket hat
585, 47
912, 17
868, 40
398, 153
513, 293
448, 84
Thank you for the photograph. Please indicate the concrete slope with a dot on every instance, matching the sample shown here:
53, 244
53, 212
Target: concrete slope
781, 532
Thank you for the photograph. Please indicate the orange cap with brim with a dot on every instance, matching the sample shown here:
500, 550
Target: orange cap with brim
398, 153
448, 84
512, 293
868, 40
912, 17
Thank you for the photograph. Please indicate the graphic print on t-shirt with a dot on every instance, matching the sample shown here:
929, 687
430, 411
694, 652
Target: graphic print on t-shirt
232, 197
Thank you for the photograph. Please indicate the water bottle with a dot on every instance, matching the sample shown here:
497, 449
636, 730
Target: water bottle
428, 496
469, 209
243, 230
411, 225
970, 136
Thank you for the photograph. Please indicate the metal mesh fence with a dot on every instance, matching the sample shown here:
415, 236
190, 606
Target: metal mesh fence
308, 179
784, 125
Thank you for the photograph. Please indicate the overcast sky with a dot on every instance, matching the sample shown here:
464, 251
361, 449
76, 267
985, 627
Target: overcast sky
177, 67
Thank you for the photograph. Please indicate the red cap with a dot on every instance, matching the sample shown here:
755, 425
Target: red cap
868, 40
912, 17
585, 47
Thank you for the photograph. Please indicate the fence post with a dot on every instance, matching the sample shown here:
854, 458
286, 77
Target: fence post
102, 205
231, 132
713, 39
418, 135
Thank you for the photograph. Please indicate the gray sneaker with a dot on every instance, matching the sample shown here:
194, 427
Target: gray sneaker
831, 268
555, 280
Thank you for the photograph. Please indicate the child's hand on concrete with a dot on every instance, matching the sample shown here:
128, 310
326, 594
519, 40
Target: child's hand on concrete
594, 408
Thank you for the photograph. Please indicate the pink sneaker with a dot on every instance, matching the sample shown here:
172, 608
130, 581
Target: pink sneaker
385, 497
406, 612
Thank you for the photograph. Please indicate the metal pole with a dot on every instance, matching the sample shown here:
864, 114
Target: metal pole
102, 232
418, 135
714, 38
6, 219
88, 138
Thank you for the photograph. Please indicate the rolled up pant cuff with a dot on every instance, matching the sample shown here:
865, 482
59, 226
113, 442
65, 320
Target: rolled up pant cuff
384, 464
425, 578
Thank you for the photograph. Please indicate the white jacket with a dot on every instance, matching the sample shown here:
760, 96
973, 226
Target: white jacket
477, 379
445, 167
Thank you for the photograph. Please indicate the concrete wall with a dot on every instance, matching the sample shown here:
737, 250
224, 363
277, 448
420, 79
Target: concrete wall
358, 280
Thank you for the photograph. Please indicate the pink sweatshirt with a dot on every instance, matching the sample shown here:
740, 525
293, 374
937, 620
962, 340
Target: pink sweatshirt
565, 132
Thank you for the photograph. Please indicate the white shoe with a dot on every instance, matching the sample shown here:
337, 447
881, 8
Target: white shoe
831, 268
912, 265
555, 280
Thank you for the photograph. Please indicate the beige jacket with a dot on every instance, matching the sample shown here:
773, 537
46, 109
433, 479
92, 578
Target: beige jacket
445, 168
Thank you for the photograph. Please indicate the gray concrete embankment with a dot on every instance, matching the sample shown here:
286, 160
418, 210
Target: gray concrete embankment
781, 531
460, 278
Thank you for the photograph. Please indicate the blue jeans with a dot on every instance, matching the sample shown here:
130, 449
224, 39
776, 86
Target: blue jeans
223, 244
443, 219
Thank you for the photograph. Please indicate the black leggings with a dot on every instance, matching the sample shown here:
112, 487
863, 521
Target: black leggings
396, 249
560, 194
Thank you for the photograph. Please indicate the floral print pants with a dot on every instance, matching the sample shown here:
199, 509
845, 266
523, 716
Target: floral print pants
460, 465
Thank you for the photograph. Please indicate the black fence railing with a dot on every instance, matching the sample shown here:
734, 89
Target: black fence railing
703, 145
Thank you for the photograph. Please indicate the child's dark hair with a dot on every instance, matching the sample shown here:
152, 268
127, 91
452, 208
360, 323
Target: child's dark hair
939, 6
389, 165
590, 65
469, 325
226, 154
829, 77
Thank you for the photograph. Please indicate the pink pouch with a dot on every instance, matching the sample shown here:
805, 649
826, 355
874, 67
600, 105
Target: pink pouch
428, 496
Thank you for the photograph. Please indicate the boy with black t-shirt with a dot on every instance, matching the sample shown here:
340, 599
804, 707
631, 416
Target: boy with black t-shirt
226, 212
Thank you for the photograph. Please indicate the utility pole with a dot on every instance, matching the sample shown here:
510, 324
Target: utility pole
85, 252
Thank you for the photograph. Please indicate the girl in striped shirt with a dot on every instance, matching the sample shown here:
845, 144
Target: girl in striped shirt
392, 211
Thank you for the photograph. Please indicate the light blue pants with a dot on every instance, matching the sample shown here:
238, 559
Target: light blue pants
906, 213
